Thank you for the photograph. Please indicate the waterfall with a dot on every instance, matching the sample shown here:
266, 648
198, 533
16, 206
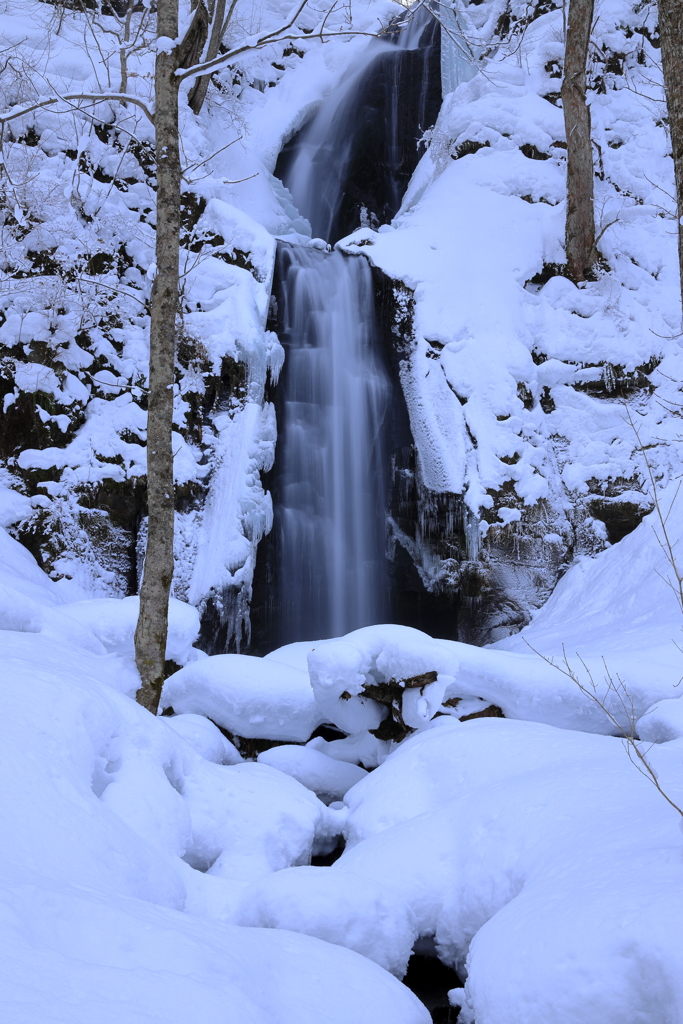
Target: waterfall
324, 571
330, 511
353, 161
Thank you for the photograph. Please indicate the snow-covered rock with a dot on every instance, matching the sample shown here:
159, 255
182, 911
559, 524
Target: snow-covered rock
113, 825
328, 777
542, 862
250, 697
662, 722
337, 906
341, 669
205, 738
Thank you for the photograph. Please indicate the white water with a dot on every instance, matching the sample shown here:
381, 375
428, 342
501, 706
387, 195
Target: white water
331, 517
318, 171
317, 175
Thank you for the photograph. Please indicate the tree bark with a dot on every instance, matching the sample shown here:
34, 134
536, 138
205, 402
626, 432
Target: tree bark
198, 91
152, 627
580, 225
671, 35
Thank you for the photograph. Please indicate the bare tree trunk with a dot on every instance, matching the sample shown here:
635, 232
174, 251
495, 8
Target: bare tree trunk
580, 226
671, 34
197, 93
152, 627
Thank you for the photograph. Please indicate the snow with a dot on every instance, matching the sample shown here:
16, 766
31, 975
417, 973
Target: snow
121, 841
539, 854
612, 617
248, 696
113, 622
339, 669
150, 871
337, 906
177, 875
328, 777
662, 722
205, 738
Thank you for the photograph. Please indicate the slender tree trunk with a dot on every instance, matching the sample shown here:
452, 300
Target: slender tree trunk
580, 226
197, 93
671, 34
152, 627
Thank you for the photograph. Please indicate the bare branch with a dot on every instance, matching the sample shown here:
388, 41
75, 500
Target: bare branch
91, 97
624, 699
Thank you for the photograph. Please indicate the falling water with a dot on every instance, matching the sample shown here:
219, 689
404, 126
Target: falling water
355, 158
330, 515
327, 570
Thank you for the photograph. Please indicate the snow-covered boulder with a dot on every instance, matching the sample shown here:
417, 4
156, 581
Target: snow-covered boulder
250, 697
362, 748
337, 906
249, 820
360, 679
326, 776
205, 738
538, 857
542, 863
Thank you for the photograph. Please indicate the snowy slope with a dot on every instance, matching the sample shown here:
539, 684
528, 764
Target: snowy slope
149, 871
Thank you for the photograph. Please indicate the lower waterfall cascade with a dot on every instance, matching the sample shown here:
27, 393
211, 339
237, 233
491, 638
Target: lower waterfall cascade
329, 520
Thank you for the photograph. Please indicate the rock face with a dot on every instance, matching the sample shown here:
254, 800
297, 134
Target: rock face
451, 578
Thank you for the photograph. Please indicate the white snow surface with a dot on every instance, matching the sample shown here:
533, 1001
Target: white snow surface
248, 696
328, 777
546, 868
142, 870
120, 840
662, 722
338, 906
205, 738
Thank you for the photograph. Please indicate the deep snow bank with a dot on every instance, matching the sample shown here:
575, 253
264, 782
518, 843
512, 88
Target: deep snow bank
544, 866
114, 824
542, 863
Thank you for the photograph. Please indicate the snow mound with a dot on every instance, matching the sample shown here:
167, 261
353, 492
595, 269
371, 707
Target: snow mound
341, 669
326, 776
514, 829
250, 697
539, 859
205, 738
113, 826
362, 748
113, 621
338, 907
662, 722
13, 506
73, 957
296, 654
